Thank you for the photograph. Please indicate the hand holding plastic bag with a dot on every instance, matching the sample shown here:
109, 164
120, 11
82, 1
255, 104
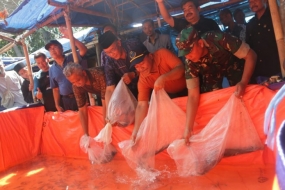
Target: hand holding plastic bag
230, 132
98, 152
163, 124
84, 143
105, 135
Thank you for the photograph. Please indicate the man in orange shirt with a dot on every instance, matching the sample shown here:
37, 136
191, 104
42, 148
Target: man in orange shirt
161, 69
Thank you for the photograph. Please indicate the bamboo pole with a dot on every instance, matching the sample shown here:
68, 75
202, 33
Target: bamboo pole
7, 47
29, 32
70, 34
7, 38
30, 72
276, 21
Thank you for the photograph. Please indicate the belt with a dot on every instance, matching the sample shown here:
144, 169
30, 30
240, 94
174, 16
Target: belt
68, 96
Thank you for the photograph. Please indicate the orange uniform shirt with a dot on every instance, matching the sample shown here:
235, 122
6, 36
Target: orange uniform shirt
163, 62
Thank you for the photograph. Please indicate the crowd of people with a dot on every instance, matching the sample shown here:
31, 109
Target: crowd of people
241, 53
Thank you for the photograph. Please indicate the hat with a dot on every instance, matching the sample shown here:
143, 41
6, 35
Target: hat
185, 40
137, 54
106, 39
18, 67
53, 42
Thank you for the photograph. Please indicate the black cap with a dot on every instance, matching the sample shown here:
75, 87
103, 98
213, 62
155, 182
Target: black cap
137, 54
53, 42
18, 67
106, 39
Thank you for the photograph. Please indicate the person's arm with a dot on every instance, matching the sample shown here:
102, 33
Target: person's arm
81, 47
192, 107
249, 65
164, 13
109, 92
104, 110
83, 115
128, 77
174, 74
168, 44
56, 97
25, 91
36, 85
141, 112
37, 92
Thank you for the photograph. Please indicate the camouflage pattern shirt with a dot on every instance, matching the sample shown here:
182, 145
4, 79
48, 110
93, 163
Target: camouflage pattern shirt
222, 59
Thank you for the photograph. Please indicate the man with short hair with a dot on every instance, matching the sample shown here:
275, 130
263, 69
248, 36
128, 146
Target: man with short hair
117, 64
10, 81
58, 82
154, 40
239, 16
161, 69
83, 81
233, 28
42, 89
192, 16
26, 87
208, 59
261, 38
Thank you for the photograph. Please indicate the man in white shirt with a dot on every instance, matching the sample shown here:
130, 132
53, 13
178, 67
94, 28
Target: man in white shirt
12, 82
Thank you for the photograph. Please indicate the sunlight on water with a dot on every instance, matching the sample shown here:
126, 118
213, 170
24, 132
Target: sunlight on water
34, 172
4, 180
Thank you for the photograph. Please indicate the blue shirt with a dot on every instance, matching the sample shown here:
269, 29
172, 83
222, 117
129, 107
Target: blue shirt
58, 79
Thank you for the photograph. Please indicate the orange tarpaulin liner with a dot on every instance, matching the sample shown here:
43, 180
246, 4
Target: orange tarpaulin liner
61, 134
20, 135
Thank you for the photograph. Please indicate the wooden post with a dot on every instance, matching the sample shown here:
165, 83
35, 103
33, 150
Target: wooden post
276, 21
70, 34
30, 72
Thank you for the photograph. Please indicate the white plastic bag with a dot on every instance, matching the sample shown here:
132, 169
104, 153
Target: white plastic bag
229, 132
163, 124
98, 152
121, 111
122, 106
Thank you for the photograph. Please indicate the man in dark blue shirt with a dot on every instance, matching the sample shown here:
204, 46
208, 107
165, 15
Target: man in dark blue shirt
117, 64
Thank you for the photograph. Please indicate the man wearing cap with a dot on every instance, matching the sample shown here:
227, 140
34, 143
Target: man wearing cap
192, 16
208, 59
117, 65
26, 87
58, 82
161, 69
42, 89
10, 81
83, 81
